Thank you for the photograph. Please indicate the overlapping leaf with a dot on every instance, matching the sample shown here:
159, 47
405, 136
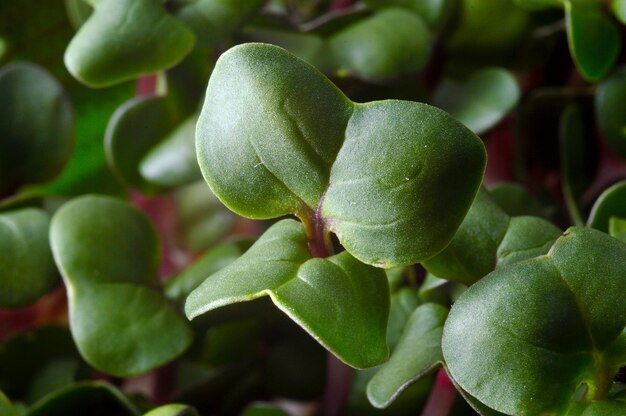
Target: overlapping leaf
526, 337
342, 302
114, 295
373, 173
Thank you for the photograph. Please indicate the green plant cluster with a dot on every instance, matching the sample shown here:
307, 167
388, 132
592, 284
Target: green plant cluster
439, 187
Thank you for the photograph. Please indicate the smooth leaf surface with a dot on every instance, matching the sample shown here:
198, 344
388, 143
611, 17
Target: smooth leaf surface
434, 12
489, 238
480, 101
610, 109
213, 20
389, 44
524, 338
515, 200
617, 228
36, 127
83, 399
211, 262
136, 127
174, 409
173, 161
28, 270
402, 304
124, 39
611, 203
341, 302
619, 10
599, 408
374, 171
418, 352
114, 294
588, 27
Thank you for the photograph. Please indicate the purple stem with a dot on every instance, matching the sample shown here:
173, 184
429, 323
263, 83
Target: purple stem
441, 398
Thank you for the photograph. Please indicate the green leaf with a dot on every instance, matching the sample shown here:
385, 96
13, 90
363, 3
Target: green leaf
36, 127
124, 39
588, 27
341, 302
82, 399
263, 409
376, 171
434, 12
577, 172
173, 162
213, 20
53, 376
480, 101
211, 262
6, 407
599, 408
402, 304
515, 200
114, 294
617, 228
418, 352
28, 270
135, 128
611, 203
174, 409
204, 219
476, 34
526, 337
611, 111
45, 347
489, 238
387, 45
619, 10
539, 4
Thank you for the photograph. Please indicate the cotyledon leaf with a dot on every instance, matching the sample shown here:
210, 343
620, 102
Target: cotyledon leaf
610, 110
393, 179
488, 238
36, 127
588, 27
611, 203
173, 409
418, 352
527, 336
116, 315
340, 301
123, 39
6, 407
28, 269
480, 101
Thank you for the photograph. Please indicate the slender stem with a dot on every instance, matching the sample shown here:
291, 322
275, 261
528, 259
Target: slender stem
338, 384
441, 397
340, 4
317, 233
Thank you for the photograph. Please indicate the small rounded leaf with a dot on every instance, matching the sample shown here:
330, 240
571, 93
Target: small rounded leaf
124, 39
611, 203
610, 107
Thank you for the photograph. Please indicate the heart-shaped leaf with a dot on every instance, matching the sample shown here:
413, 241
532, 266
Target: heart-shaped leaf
418, 352
373, 173
36, 127
124, 39
340, 301
28, 269
588, 27
389, 44
481, 100
489, 238
611, 203
173, 409
82, 398
135, 128
611, 110
112, 297
617, 228
526, 337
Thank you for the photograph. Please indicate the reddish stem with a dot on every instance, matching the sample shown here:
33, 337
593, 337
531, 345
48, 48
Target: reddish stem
340, 4
146, 85
338, 384
441, 398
